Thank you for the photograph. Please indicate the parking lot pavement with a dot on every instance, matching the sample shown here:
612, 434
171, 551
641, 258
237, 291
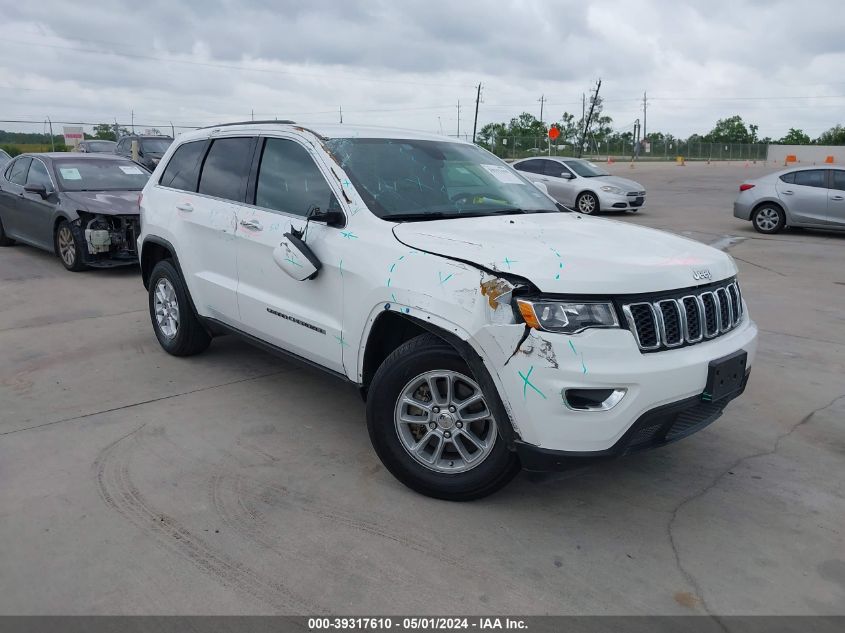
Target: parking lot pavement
133, 482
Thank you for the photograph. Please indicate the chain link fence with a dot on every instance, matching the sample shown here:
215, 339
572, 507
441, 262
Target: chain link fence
514, 147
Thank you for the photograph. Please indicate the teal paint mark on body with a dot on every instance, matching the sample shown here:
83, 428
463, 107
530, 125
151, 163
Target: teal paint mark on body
527, 383
349, 235
443, 279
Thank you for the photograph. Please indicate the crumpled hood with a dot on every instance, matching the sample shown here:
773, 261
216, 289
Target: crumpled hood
105, 202
570, 253
622, 183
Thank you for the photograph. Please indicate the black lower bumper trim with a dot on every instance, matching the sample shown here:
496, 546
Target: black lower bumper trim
658, 427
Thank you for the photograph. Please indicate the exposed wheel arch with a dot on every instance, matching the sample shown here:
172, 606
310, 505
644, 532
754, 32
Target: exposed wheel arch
391, 329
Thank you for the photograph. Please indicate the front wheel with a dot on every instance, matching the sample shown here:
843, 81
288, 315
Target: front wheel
587, 203
432, 427
69, 247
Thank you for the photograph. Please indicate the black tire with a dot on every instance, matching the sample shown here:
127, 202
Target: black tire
763, 218
422, 354
190, 337
68, 246
587, 203
5, 240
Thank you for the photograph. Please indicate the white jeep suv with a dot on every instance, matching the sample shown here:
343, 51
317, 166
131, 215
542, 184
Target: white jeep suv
487, 328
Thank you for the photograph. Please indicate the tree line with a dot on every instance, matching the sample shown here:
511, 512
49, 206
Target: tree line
524, 129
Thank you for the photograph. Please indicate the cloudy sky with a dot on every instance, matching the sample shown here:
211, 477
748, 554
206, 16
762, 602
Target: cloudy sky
408, 62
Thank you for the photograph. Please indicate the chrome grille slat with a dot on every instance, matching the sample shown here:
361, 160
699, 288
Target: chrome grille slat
669, 323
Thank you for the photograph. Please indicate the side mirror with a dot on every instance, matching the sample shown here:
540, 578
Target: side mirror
333, 218
567, 176
295, 258
41, 190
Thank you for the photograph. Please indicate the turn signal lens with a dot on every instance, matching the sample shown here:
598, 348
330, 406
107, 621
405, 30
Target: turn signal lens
526, 309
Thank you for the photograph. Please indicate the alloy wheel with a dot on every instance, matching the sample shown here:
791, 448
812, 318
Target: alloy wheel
587, 203
67, 246
166, 308
444, 423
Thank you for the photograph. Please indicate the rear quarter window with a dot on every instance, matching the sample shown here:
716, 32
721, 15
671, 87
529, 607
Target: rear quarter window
182, 171
790, 178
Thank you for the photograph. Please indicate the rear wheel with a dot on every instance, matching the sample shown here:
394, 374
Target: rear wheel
5, 240
177, 328
587, 203
768, 219
431, 425
68, 247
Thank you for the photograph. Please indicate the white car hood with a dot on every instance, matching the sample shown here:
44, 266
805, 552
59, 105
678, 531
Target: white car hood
570, 253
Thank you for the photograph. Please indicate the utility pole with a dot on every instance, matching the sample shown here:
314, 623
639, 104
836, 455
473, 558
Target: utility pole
172, 130
133, 121
52, 140
340, 111
475, 122
458, 135
542, 101
116, 131
593, 100
645, 104
252, 115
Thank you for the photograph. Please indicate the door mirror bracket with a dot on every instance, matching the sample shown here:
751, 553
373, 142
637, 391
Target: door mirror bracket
333, 217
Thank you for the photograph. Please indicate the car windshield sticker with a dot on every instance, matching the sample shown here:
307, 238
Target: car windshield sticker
503, 174
130, 170
70, 173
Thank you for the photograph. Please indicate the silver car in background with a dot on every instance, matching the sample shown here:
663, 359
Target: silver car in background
4, 158
809, 197
582, 185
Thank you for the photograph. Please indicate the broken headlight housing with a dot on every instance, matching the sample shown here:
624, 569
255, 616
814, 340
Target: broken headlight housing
567, 317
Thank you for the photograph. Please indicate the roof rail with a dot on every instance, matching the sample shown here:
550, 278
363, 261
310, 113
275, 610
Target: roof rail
283, 121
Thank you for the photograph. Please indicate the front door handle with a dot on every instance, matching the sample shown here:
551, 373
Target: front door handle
837, 198
185, 206
253, 225
788, 192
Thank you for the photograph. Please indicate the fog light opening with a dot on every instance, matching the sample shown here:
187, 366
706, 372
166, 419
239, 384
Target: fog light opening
593, 399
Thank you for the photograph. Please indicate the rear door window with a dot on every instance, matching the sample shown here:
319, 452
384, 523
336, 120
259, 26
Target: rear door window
533, 166
811, 178
18, 171
226, 167
182, 172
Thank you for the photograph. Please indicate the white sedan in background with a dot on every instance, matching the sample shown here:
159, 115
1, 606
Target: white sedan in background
583, 185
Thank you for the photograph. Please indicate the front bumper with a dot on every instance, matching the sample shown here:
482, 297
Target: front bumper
533, 379
660, 426
617, 202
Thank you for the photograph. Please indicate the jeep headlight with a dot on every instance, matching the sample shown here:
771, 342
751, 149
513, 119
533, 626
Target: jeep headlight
611, 189
568, 317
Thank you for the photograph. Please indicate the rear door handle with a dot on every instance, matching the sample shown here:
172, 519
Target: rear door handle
253, 225
788, 192
185, 206
837, 198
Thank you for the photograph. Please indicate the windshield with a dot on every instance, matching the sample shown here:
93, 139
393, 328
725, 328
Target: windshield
101, 146
414, 179
101, 175
156, 145
585, 169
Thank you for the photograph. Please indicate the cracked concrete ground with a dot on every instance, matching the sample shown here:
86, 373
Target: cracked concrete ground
132, 482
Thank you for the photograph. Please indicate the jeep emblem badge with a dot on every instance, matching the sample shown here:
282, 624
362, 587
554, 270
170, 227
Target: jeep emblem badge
702, 273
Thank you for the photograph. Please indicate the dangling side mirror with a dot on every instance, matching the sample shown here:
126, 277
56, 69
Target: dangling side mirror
294, 257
